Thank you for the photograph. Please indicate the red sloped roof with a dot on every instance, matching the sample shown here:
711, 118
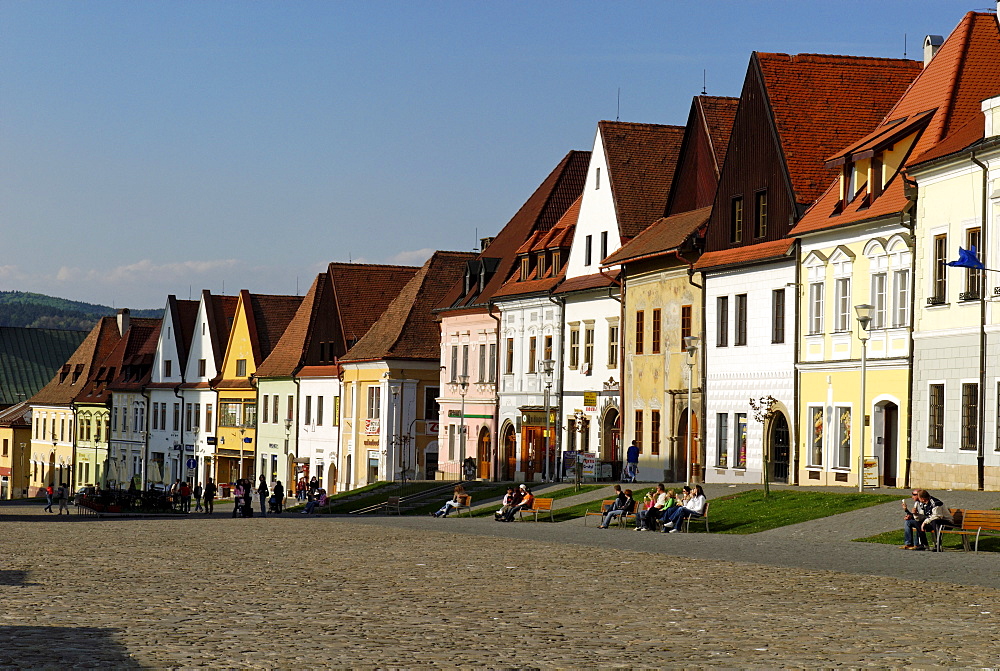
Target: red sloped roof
81, 366
812, 115
288, 353
667, 234
584, 282
363, 291
642, 159
736, 256
962, 74
719, 113
559, 237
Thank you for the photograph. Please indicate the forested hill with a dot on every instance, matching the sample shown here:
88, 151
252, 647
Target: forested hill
18, 308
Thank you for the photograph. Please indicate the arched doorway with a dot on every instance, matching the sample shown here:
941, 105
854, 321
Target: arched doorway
890, 444
611, 436
780, 448
331, 479
483, 448
508, 464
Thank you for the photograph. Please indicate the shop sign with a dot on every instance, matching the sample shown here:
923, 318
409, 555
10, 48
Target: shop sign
535, 418
371, 426
590, 401
431, 428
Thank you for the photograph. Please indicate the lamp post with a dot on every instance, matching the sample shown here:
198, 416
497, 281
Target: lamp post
691, 346
864, 312
463, 389
396, 389
548, 365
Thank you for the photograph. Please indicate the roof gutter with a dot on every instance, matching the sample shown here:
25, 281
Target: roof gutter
611, 294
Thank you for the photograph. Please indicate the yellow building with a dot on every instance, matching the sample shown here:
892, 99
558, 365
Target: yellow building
259, 323
391, 383
15, 438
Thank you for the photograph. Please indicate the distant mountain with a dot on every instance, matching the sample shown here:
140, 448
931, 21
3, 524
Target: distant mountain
19, 308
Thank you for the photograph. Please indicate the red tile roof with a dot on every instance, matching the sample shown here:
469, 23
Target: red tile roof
962, 74
129, 365
408, 329
667, 234
67, 384
363, 291
748, 254
330, 370
641, 159
538, 215
290, 351
271, 316
584, 282
560, 237
718, 114
820, 103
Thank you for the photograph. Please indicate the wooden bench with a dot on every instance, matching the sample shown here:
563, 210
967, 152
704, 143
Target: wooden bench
392, 505
697, 519
968, 523
605, 507
539, 506
464, 503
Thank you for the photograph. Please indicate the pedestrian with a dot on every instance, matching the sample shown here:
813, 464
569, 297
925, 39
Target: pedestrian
300, 490
209, 495
48, 498
199, 491
175, 494
63, 496
632, 458
313, 487
238, 500
278, 492
262, 493
185, 492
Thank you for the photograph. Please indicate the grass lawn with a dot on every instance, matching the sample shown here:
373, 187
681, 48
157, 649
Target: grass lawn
558, 494
749, 512
338, 503
950, 541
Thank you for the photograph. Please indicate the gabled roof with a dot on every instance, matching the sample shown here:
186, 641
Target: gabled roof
290, 352
585, 282
559, 237
663, 237
407, 329
819, 103
944, 99
220, 312
746, 255
641, 160
537, 215
14, 415
702, 153
184, 314
30, 357
129, 364
363, 291
69, 381
269, 316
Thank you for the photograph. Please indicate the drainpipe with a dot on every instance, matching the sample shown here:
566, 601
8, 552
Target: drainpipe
912, 187
980, 454
561, 302
496, 397
796, 382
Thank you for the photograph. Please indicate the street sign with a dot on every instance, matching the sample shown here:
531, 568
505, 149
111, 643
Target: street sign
192, 463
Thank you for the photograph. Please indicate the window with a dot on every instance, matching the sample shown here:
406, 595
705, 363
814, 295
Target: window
274, 415
431, 408
201, 368
509, 368
482, 363
319, 411
156, 418
291, 409
454, 363
970, 416
815, 308
197, 417
736, 220
638, 429
760, 214
493, 362
612, 345
241, 368
187, 415
842, 306
640, 330
597, 179
935, 417
336, 411
588, 250
547, 350
588, 345
166, 367
722, 321
208, 418
939, 291
685, 323
741, 320
604, 244
654, 431
657, 323
163, 416
532, 354
230, 413
465, 360
574, 347
308, 410
816, 436
901, 297
843, 415
266, 406
722, 440
556, 262
177, 417
878, 301
741, 439
540, 263
451, 442
973, 276
778, 316
374, 399
525, 267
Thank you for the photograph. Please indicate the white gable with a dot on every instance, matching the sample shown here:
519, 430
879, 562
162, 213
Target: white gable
166, 350
201, 347
597, 220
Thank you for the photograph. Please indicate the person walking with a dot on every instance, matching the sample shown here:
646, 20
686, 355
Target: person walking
209, 495
262, 493
199, 491
48, 498
185, 492
313, 487
632, 460
63, 496
278, 492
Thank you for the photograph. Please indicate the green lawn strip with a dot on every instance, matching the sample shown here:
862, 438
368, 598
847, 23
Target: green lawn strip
338, 503
558, 494
478, 497
750, 512
948, 541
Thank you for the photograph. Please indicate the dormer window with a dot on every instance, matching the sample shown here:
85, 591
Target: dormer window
468, 280
64, 373
556, 261
77, 372
540, 264
525, 267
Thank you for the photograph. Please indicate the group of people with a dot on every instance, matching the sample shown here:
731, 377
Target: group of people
307, 490
922, 514
181, 494
59, 495
513, 501
660, 506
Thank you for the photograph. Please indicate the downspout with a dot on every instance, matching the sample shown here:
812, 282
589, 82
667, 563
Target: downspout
75, 431
561, 302
796, 382
980, 453
496, 398
913, 304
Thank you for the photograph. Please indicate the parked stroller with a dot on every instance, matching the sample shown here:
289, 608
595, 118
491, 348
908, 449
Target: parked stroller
274, 505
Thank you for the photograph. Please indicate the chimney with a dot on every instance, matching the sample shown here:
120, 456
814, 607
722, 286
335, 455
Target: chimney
931, 45
123, 320
991, 110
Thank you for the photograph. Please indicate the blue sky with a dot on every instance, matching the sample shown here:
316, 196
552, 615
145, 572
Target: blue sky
149, 148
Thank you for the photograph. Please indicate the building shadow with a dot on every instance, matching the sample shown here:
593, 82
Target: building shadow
14, 578
62, 647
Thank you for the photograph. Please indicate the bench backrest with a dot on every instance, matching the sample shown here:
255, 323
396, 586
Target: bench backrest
465, 500
393, 501
542, 504
606, 504
981, 519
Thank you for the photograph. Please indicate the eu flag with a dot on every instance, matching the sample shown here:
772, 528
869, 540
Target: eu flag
967, 259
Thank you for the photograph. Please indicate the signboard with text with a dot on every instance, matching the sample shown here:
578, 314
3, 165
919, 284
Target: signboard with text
590, 401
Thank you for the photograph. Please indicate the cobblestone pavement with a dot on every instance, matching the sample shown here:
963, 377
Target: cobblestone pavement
297, 592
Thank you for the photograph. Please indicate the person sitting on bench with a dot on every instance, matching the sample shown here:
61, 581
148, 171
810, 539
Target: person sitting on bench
627, 508
927, 514
526, 503
646, 519
320, 500
694, 506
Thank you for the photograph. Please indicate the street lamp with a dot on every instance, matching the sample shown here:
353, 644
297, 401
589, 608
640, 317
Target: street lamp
463, 389
864, 312
548, 365
396, 389
691, 346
